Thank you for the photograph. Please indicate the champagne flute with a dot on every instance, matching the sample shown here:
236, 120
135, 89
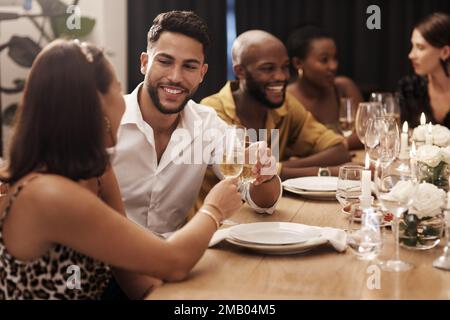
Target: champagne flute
347, 114
232, 156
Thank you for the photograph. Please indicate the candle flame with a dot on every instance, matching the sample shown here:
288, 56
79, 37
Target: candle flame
430, 128
423, 120
367, 162
405, 127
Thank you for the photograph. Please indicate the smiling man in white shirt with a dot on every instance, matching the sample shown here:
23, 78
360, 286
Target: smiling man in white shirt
158, 187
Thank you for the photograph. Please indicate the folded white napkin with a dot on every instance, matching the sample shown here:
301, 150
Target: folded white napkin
336, 237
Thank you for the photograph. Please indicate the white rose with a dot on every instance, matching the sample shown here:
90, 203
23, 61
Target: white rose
430, 155
445, 152
441, 135
428, 201
419, 133
402, 191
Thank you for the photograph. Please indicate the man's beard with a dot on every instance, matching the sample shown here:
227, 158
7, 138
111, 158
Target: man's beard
256, 90
153, 93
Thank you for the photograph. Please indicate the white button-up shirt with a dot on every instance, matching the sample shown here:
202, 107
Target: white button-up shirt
159, 196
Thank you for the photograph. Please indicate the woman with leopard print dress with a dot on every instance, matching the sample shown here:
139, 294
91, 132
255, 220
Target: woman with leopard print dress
62, 222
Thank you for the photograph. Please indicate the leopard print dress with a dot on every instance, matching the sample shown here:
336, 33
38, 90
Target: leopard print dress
61, 273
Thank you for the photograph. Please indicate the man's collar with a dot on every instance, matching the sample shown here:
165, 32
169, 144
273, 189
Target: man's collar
230, 106
132, 112
189, 117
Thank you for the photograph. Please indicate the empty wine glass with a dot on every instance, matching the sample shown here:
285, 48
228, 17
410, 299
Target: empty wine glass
349, 185
382, 139
390, 104
443, 262
389, 147
395, 189
364, 233
366, 112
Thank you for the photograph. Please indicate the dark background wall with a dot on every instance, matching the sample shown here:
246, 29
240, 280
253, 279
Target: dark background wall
375, 59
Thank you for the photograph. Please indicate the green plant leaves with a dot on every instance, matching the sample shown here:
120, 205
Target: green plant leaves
23, 50
53, 7
60, 29
9, 114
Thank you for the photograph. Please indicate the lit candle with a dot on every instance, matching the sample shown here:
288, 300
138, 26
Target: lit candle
423, 120
429, 136
404, 142
366, 180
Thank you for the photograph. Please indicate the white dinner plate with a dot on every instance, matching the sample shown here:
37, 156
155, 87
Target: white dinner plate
321, 184
313, 195
273, 233
279, 250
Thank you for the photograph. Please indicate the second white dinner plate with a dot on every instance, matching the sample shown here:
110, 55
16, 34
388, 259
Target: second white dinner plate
320, 184
273, 233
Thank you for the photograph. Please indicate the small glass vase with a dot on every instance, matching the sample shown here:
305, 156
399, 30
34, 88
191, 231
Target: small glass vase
435, 175
420, 233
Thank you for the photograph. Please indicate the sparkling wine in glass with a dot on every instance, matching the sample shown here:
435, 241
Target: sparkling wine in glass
347, 114
232, 157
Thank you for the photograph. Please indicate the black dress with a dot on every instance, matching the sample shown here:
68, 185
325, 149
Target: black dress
414, 99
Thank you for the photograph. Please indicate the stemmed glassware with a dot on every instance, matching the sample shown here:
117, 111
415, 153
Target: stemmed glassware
232, 155
349, 184
382, 139
389, 102
395, 187
443, 261
347, 115
232, 152
366, 112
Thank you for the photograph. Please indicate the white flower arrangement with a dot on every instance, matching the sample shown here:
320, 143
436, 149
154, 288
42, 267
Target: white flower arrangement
433, 164
440, 135
429, 155
428, 201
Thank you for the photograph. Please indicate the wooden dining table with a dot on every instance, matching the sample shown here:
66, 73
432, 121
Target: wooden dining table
228, 272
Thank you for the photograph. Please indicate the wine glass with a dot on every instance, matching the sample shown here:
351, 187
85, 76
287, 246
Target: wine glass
395, 190
366, 112
443, 261
232, 155
364, 233
349, 185
389, 140
390, 103
232, 152
347, 115
382, 139
250, 158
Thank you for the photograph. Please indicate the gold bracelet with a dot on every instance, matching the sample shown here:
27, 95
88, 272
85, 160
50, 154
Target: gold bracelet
215, 208
209, 214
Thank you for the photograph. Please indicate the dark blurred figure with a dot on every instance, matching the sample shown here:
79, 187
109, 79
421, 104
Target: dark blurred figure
313, 55
428, 90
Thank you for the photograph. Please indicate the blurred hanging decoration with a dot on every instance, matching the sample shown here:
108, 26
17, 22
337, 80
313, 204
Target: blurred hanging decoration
51, 24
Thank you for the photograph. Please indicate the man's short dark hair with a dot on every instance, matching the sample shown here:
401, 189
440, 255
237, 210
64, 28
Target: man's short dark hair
184, 22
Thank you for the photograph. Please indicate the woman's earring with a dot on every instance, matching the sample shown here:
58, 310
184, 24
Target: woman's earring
108, 124
108, 130
300, 72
